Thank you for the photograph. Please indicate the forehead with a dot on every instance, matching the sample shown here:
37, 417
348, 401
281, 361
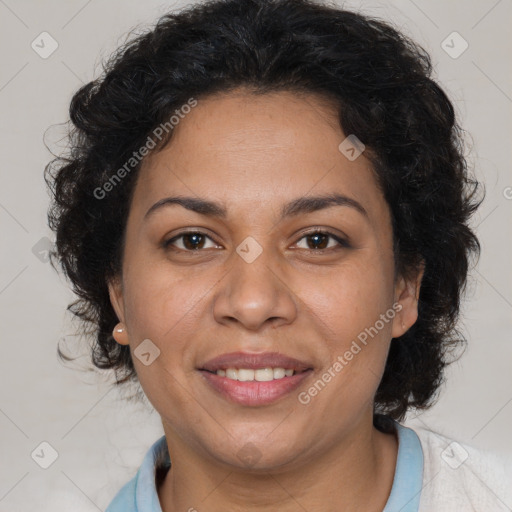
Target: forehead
249, 150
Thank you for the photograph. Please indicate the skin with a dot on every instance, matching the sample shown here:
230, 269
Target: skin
254, 154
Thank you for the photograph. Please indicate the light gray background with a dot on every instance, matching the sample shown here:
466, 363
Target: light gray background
100, 439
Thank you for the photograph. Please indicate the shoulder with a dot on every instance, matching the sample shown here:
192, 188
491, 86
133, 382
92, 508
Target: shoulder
140, 493
124, 500
457, 476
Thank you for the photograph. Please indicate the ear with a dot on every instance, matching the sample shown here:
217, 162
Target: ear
115, 292
407, 292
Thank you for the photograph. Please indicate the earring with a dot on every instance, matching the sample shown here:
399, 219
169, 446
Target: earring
120, 334
119, 328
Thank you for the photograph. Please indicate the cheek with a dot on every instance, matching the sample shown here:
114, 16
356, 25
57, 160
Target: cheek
348, 308
160, 302
165, 309
351, 300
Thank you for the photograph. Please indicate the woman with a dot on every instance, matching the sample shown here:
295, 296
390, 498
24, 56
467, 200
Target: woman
265, 217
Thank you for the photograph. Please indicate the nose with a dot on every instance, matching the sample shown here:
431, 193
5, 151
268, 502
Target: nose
255, 294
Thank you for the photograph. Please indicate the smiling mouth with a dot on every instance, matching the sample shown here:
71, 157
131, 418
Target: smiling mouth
265, 374
246, 390
254, 378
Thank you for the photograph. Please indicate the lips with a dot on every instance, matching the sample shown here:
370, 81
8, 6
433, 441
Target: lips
254, 361
254, 393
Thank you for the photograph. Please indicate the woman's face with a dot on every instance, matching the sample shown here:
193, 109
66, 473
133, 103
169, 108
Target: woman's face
254, 276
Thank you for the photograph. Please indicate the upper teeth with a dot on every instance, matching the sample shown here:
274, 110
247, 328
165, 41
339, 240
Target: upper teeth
261, 374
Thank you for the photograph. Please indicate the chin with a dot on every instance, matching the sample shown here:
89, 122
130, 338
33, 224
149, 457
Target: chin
257, 454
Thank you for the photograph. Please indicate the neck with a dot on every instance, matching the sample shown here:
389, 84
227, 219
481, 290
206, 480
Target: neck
355, 474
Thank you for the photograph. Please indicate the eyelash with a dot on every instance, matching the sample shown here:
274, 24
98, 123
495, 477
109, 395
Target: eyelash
342, 244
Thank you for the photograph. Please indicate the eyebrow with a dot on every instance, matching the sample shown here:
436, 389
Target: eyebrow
306, 204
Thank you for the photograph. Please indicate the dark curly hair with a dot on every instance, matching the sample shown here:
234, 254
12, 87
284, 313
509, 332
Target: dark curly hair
381, 84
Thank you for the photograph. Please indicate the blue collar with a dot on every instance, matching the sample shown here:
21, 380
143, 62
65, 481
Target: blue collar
408, 480
140, 494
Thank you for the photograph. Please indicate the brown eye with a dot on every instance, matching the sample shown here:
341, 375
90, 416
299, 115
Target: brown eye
320, 241
188, 241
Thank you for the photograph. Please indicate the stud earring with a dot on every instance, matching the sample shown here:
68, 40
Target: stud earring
119, 328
